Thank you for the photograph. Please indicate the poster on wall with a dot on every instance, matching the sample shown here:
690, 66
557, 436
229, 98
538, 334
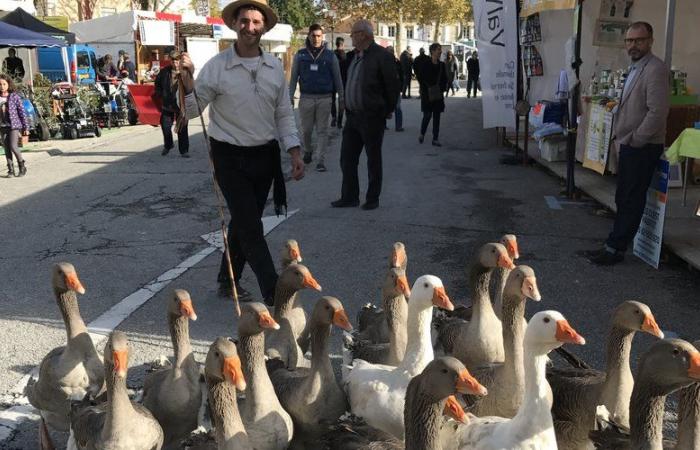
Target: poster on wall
615, 9
610, 33
497, 42
647, 242
534, 6
595, 156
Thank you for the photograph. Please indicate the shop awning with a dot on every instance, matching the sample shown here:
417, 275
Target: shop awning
21, 18
12, 36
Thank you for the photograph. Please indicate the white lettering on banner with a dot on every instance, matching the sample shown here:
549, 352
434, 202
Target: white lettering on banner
647, 242
496, 25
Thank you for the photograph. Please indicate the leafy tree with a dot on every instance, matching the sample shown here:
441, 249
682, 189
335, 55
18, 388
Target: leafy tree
297, 13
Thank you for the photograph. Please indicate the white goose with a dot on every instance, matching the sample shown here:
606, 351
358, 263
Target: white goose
376, 392
532, 426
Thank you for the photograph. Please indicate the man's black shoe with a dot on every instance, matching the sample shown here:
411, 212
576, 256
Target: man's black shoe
226, 292
185, 155
345, 203
370, 205
608, 259
400, 129
307, 158
593, 253
165, 151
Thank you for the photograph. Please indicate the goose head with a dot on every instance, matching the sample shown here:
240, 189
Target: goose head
443, 377
549, 330
117, 353
398, 255
510, 242
255, 318
180, 305
297, 277
522, 281
329, 311
65, 278
429, 291
396, 283
671, 363
223, 364
291, 251
636, 316
494, 255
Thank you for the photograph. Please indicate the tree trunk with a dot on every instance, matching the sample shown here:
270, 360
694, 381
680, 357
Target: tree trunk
436, 31
399, 33
80, 11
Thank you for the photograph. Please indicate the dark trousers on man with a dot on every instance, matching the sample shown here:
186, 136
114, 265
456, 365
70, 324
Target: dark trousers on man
336, 114
362, 130
245, 176
635, 170
167, 119
436, 123
406, 88
472, 84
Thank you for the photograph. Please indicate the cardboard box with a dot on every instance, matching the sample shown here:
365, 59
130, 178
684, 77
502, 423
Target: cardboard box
553, 150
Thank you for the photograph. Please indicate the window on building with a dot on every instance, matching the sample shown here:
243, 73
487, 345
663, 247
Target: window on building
391, 31
409, 32
104, 12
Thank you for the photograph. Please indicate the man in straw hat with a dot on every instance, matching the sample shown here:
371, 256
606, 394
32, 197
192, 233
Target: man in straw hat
250, 121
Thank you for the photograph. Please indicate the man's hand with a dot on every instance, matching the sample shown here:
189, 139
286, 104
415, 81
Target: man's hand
186, 71
389, 116
297, 163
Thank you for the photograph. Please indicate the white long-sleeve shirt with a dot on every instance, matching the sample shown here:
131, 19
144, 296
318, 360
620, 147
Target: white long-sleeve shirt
247, 107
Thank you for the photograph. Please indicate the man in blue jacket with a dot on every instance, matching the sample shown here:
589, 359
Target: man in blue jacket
317, 71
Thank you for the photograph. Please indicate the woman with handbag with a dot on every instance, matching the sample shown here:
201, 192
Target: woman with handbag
13, 122
433, 84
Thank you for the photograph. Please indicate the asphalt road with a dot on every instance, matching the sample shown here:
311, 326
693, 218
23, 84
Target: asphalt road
124, 215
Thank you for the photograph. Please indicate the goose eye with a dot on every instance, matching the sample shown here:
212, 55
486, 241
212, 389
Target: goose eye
546, 320
327, 307
444, 370
636, 311
425, 285
676, 352
217, 354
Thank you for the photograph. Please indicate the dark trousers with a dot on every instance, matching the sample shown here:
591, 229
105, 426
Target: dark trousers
362, 130
635, 170
472, 83
10, 142
436, 123
245, 176
336, 115
166, 124
406, 88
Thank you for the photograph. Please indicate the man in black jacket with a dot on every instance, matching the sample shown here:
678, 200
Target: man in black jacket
371, 92
166, 90
407, 72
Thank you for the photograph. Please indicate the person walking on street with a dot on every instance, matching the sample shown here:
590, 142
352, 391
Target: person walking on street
433, 84
317, 71
13, 121
371, 92
166, 89
421, 60
472, 74
640, 131
398, 114
250, 120
406, 71
337, 113
13, 65
452, 69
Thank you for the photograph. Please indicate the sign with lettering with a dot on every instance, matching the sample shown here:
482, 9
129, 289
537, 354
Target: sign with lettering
534, 6
647, 242
497, 41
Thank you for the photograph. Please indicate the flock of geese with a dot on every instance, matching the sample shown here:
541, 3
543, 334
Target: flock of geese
417, 373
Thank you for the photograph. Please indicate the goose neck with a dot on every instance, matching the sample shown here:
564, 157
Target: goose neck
646, 415
689, 418
180, 337
320, 359
118, 403
513, 334
419, 349
501, 276
68, 304
252, 353
396, 312
423, 418
618, 352
537, 401
479, 280
224, 410
284, 300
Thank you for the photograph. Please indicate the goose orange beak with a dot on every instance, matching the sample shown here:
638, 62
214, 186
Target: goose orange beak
566, 334
512, 247
233, 372
441, 300
694, 369
454, 410
467, 384
505, 262
530, 289
187, 310
266, 321
340, 319
651, 327
295, 254
121, 362
402, 284
74, 283
311, 283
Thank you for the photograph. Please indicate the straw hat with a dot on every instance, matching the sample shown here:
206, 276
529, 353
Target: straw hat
270, 15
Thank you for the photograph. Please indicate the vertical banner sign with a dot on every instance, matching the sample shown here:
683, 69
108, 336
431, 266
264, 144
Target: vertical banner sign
497, 40
647, 242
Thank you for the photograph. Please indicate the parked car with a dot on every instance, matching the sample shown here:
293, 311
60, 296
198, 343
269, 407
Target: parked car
82, 64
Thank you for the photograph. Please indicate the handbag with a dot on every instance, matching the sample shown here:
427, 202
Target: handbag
434, 91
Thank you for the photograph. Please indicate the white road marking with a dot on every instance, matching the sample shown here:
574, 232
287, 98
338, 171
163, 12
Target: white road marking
99, 328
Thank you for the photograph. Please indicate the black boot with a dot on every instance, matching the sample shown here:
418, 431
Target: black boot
10, 169
22, 169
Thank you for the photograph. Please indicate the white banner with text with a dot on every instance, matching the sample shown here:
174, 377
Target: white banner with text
497, 41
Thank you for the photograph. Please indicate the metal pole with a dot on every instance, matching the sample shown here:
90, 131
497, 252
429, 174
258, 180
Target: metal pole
670, 26
573, 108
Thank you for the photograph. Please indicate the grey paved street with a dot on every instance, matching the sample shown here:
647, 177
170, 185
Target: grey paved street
124, 215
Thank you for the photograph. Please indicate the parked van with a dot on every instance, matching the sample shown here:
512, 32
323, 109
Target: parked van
82, 64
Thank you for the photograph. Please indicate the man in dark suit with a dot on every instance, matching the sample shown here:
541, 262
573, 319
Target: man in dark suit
640, 131
371, 92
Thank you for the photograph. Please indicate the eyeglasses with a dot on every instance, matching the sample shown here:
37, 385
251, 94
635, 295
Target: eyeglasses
355, 32
640, 40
